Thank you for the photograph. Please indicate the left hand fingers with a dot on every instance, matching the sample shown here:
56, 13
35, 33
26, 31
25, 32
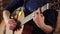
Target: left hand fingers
39, 13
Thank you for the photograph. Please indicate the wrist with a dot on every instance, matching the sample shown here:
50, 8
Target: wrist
42, 25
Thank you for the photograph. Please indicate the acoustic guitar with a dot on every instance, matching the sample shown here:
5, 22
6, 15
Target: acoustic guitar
26, 27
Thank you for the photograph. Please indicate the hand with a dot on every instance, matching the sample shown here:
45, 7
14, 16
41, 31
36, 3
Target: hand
38, 18
12, 24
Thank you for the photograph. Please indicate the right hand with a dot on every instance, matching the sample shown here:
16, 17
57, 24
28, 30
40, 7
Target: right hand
12, 24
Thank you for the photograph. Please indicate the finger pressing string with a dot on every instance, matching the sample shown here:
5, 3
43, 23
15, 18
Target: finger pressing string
38, 11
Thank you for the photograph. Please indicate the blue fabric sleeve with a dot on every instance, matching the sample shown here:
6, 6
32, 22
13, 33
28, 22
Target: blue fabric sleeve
13, 5
33, 5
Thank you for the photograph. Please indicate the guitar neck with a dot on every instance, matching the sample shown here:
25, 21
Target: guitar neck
26, 19
30, 16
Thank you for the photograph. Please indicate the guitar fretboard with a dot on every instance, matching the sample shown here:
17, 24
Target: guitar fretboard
26, 19
30, 16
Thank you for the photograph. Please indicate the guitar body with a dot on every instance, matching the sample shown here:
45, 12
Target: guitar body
26, 28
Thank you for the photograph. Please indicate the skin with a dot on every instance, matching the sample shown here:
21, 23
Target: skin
11, 23
38, 19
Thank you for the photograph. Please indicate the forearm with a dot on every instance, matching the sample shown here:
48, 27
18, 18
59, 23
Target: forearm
46, 28
6, 15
